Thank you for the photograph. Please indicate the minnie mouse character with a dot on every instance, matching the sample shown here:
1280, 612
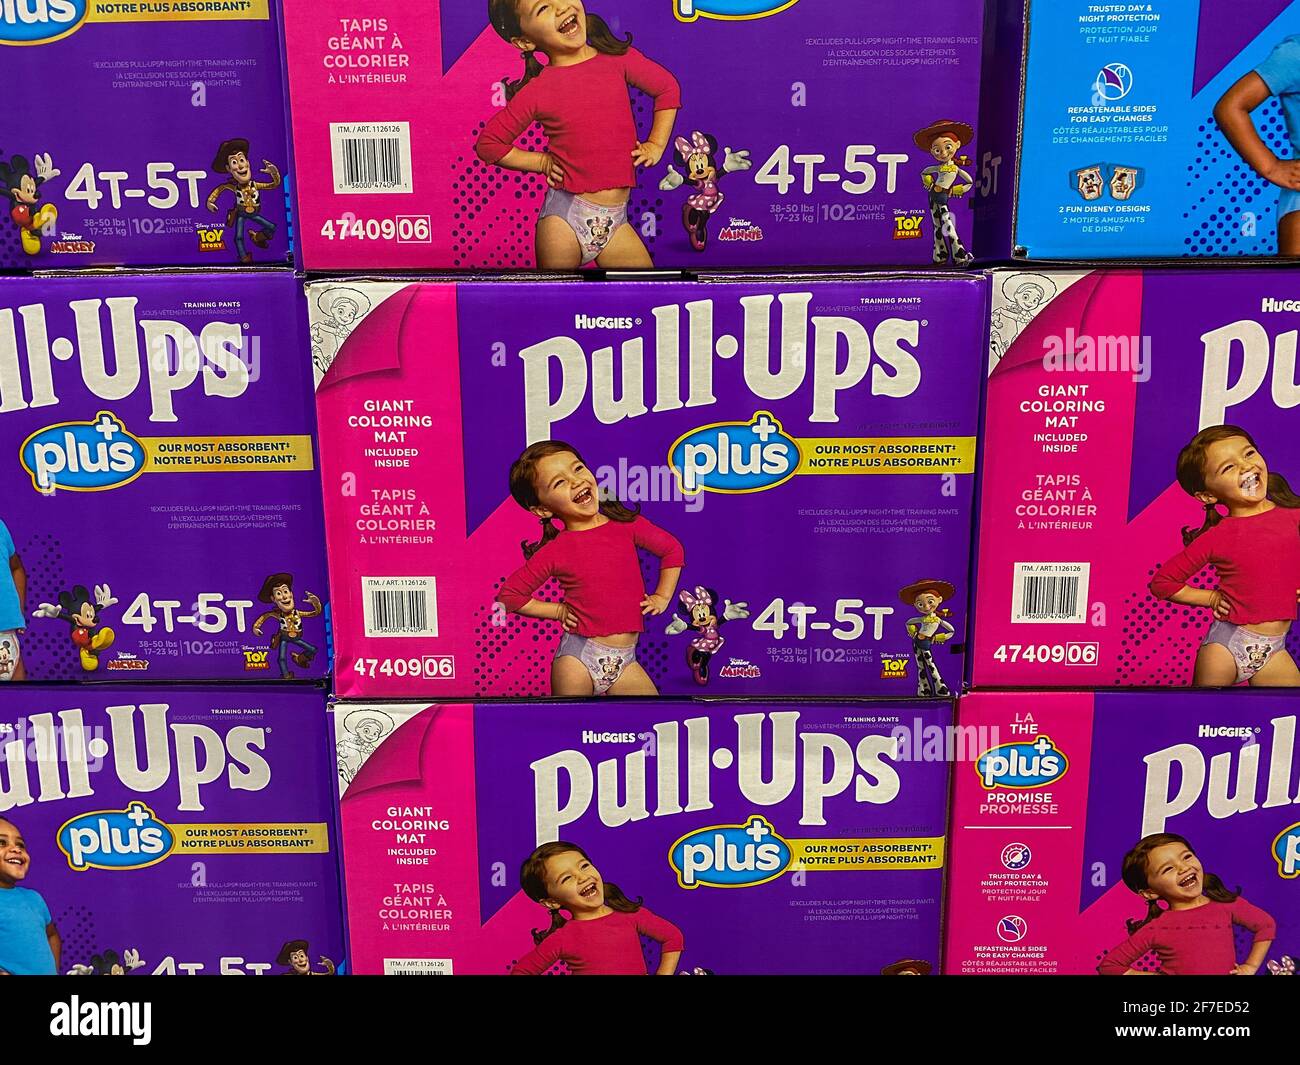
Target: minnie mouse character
698, 157
696, 612
82, 612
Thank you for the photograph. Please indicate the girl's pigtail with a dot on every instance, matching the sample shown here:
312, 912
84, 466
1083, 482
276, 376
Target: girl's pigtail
532, 67
557, 922
1212, 518
603, 39
1280, 492
619, 902
1153, 911
549, 533
1218, 891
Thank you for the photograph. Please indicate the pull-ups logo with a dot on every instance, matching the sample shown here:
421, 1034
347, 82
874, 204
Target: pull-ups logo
690, 10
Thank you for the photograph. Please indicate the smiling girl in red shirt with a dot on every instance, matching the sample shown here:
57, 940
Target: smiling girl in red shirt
580, 99
1192, 932
1255, 551
594, 558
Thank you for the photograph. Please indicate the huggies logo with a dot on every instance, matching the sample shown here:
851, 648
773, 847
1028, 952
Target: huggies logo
730, 856
116, 839
1022, 765
729, 10
83, 456
1286, 851
24, 22
735, 457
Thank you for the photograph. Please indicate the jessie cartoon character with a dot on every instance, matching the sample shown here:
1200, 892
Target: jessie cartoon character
942, 182
927, 629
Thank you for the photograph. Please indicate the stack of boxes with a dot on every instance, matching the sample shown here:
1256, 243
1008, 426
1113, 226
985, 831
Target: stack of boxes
783, 460
163, 606
1136, 533
699, 515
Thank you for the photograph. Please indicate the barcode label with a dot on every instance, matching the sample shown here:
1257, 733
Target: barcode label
1051, 593
400, 606
371, 157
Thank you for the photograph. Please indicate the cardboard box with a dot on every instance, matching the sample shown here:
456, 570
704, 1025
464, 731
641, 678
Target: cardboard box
158, 464
794, 134
775, 484
821, 825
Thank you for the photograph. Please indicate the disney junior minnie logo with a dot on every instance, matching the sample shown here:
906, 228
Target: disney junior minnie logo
690, 10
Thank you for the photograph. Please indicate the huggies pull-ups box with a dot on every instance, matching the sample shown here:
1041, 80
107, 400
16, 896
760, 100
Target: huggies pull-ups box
655, 838
722, 487
1138, 525
161, 514
624, 134
144, 134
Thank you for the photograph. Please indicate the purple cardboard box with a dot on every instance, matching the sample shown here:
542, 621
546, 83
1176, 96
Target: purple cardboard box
777, 500
161, 513
794, 133
1137, 521
1074, 803
177, 831
756, 839
143, 134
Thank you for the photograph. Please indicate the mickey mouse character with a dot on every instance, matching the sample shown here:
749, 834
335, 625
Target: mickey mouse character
21, 182
83, 612
109, 964
232, 159
697, 612
698, 157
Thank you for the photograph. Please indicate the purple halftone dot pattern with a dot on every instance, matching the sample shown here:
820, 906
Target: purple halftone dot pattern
76, 926
496, 210
496, 206
1221, 187
514, 659
1160, 639
47, 645
1148, 963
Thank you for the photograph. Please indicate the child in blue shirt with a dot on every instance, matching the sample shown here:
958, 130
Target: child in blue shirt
29, 942
1278, 75
13, 596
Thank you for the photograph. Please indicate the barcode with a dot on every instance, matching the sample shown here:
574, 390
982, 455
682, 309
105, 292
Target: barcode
400, 606
371, 157
1050, 592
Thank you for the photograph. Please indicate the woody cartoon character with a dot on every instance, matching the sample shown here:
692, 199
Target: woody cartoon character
277, 590
296, 955
232, 159
927, 629
942, 182
20, 182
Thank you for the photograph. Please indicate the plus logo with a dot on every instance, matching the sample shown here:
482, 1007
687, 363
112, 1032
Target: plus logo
729, 10
89, 456
730, 856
